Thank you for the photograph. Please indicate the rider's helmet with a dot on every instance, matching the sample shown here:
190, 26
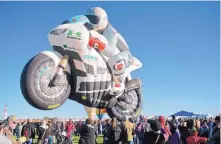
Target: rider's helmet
98, 17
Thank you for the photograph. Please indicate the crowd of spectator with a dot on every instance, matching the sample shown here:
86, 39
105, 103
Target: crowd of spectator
142, 131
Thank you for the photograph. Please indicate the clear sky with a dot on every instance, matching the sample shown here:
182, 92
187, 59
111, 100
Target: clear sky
177, 42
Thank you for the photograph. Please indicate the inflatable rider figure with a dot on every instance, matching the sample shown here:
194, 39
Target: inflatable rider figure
118, 61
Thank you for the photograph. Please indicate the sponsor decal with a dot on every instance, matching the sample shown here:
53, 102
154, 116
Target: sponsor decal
53, 106
89, 57
101, 70
58, 31
76, 35
83, 97
68, 47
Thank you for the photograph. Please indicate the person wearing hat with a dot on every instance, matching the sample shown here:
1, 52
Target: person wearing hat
7, 128
154, 134
194, 138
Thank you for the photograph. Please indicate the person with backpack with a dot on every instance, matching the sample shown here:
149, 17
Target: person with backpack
28, 131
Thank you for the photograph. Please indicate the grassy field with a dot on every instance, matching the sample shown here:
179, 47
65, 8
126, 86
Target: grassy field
75, 139
99, 139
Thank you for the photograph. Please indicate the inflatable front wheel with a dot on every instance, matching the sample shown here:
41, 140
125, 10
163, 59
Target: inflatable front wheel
129, 104
35, 83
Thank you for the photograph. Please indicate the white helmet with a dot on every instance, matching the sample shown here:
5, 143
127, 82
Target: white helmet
98, 17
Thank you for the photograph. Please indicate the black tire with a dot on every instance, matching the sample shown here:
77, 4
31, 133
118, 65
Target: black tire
131, 107
42, 96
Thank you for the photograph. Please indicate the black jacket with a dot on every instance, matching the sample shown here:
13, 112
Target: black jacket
87, 134
117, 138
215, 136
113, 135
151, 138
42, 133
31, 127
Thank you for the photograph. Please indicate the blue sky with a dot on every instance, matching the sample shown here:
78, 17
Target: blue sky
177, 42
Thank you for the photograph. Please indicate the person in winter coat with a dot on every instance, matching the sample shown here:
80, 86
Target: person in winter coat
215, 138
42, 133
99, 128
117, 130
154, 134
50, 133
216, 130
129, 131
164, 129
194, 138
174, 120
210, 125
6, 130
87, 133
78, 127
28, 131
108, 133
4, 139
18, 131
20, 128
184, 133
204, 130
113, 133
140, 129
69, 128
174, 138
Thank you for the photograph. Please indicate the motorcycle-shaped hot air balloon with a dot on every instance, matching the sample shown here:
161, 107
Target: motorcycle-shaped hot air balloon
77, 71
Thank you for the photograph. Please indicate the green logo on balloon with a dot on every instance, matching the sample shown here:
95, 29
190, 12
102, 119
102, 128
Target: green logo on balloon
70, 33
77, 35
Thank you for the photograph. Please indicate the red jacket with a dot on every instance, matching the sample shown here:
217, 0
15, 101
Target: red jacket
69, 129
194, 139
166, 130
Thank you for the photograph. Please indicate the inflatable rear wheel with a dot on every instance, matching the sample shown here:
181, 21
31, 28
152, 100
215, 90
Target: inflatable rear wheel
35, 85
128, 105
